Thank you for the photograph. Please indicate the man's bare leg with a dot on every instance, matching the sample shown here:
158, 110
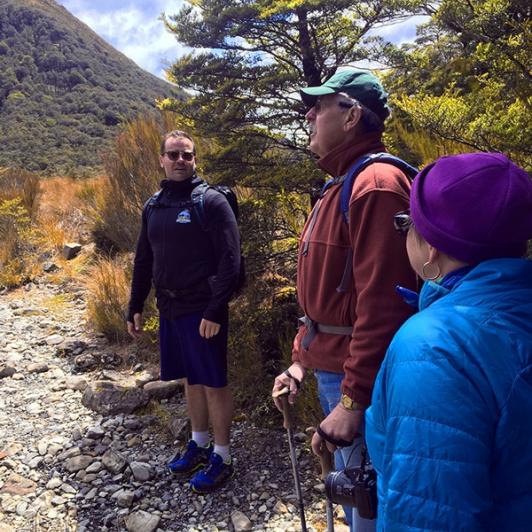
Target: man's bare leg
220, 407
197, 407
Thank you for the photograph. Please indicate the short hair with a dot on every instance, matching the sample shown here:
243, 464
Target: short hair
177, 133
370, 121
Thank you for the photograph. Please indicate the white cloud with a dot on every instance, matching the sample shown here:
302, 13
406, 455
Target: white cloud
133, 27
400, 32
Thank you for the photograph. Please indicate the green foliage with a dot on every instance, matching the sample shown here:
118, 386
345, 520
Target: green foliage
467, 80
133, 175
18, 205
63, 89
262, 53
18, 183
14, 233
245, 105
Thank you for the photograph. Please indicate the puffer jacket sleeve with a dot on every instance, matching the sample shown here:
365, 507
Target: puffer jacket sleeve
429, 433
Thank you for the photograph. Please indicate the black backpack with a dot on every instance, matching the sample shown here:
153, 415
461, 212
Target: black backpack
198, 203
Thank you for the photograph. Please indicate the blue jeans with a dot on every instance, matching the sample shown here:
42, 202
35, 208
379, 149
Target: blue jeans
329, 392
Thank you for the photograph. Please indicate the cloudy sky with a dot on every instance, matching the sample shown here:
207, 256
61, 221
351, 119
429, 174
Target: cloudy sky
134, 28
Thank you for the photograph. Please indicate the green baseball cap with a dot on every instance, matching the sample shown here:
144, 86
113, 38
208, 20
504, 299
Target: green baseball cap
361, 85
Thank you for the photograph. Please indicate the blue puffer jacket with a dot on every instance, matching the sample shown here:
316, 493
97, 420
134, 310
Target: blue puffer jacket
450, 426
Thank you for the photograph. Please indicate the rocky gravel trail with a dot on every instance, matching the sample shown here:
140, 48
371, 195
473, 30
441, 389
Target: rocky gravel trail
85, 435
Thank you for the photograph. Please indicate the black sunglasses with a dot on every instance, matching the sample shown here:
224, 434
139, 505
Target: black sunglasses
185, 155
402, 221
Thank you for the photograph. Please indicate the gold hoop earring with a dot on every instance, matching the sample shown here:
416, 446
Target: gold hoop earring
428, 277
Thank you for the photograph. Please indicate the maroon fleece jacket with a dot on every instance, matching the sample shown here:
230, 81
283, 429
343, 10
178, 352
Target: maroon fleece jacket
370, 305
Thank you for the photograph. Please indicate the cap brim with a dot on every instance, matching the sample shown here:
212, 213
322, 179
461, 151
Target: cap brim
309, 95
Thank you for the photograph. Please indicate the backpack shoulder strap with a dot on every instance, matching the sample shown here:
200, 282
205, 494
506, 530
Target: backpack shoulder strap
153, 200
345, 196
198, 202
359, 165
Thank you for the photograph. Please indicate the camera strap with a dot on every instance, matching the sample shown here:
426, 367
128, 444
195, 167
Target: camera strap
330, 439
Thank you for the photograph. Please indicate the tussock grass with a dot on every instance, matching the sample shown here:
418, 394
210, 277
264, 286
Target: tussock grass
107, 282
108, 294
133, 175
64, 210
18, 183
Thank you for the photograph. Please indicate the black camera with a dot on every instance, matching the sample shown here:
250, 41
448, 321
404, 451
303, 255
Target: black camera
354, 487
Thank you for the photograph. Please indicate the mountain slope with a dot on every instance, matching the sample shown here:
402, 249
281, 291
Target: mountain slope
63, 89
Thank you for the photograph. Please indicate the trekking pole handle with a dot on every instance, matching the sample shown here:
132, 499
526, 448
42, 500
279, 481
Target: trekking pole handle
326, 462
283, 397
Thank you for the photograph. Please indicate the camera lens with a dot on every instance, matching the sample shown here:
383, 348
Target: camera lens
340, 489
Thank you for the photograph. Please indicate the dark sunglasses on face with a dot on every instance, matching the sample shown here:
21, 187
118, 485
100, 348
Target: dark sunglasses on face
185, 155
402, 221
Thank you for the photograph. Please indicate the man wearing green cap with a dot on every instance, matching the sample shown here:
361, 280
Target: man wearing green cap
349, 264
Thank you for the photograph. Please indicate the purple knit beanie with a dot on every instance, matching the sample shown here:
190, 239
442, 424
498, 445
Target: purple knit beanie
473, 206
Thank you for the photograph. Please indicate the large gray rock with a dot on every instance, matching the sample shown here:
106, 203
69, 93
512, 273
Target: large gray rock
70, 250
74, 464
142, 522
114, 462
54, 339
124, 497
76, 383
240, 521
109, 398
162, 389
37, 367
50, 267
141, 471
6, 371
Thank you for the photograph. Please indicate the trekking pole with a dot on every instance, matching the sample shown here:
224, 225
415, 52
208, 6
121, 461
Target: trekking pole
326, 462
287, 423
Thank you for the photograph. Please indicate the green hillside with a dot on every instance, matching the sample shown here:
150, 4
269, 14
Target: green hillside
63, 89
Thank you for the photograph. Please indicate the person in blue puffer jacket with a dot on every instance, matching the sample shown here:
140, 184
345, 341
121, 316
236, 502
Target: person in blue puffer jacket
449, 430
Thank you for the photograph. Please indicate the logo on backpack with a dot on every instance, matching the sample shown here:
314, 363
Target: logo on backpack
184, 217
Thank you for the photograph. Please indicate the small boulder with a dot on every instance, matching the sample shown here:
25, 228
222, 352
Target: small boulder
50, 267
6, 371
37, 367
162, 389
142, 522
71, 250
109, 398
114, 462
240, 521
85, 362
76, 463
141, 471
18, 485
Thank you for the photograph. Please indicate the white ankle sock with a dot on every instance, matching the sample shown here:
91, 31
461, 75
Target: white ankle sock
201, 438
223, 451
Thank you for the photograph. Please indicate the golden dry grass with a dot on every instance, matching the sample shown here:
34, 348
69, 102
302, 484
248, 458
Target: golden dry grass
63, 214
107, 298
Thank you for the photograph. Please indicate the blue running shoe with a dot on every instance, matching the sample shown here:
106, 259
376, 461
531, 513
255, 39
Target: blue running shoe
215, 475
194, 458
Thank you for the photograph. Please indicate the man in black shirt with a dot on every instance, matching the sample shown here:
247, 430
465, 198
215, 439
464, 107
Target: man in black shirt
194, 268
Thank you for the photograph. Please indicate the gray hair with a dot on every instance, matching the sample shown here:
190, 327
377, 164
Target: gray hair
370, 121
